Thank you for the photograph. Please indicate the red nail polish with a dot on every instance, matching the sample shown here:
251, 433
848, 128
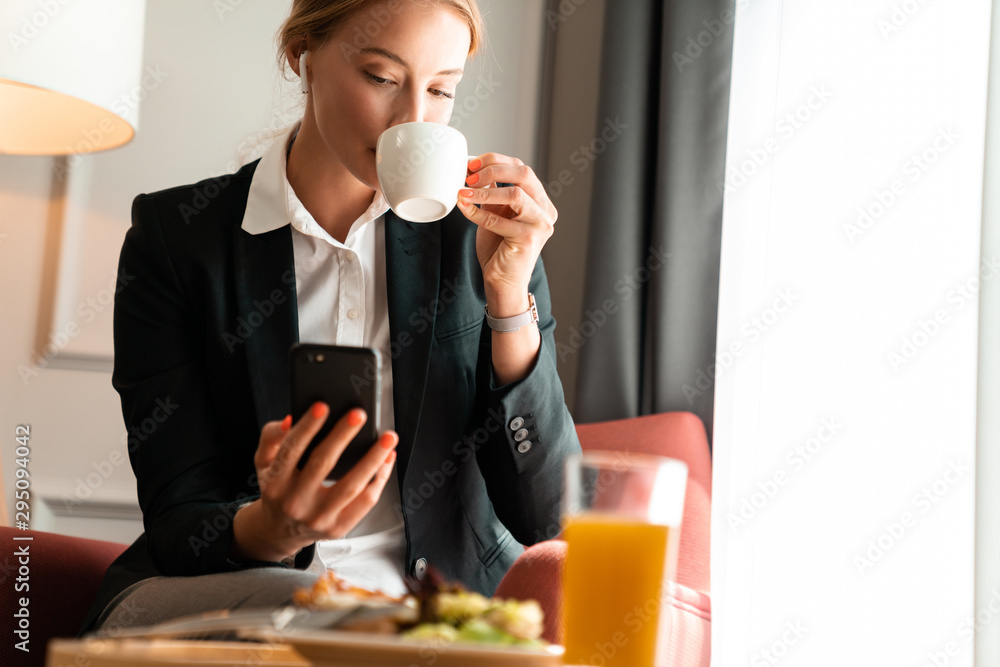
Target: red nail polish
475, 164
286, 423
392, 457
356, 417
387, 441
466, 193
472, 180
319, 410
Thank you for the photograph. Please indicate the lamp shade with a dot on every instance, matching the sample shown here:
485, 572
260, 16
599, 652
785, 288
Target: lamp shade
69, 75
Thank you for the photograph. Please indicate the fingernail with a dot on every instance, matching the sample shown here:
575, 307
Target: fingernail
319, 410
475, 164
392, 457
466, 193
286, 423
388, 441
472, 180
356, 417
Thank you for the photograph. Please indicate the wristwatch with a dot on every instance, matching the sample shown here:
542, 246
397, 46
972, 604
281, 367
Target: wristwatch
515, 323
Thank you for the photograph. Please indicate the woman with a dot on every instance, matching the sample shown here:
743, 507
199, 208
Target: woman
300, 245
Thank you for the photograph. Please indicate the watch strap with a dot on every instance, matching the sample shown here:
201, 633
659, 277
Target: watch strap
516, 322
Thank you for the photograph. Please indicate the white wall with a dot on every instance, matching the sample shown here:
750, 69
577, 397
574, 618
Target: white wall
849, 389
212, 92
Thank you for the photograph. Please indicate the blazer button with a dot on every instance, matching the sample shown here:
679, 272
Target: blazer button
524, 447
420, 568
521, 435
516, 423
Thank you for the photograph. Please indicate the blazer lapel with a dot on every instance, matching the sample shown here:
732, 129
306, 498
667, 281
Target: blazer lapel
413, 272
264, 267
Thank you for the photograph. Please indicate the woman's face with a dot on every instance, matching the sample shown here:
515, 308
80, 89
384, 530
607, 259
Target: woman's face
390, 63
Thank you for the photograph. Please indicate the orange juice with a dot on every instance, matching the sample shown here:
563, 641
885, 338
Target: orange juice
612, 582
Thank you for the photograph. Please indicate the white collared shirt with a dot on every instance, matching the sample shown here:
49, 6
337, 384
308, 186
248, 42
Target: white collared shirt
341, 296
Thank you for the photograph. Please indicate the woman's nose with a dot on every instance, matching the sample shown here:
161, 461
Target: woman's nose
412, 108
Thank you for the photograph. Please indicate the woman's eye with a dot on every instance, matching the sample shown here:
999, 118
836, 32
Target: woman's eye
378, 80
440, 93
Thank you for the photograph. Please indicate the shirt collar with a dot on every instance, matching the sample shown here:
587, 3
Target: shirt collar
272, 203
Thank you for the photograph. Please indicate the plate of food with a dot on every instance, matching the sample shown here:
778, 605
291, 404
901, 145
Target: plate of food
437, 624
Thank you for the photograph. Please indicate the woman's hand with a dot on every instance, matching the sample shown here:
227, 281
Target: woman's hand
295, 508
514, 223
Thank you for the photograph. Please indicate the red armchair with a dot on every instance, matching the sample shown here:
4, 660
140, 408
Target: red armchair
537, 573
62, 573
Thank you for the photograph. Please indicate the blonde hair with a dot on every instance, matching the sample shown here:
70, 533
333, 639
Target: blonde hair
317, 19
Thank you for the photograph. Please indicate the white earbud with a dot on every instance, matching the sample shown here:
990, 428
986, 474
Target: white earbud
303, 79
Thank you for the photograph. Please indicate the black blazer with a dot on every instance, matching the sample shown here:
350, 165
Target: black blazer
203, 323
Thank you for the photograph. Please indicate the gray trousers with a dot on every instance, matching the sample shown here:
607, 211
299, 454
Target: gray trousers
159, 599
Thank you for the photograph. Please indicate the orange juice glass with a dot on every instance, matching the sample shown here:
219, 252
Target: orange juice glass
621, 522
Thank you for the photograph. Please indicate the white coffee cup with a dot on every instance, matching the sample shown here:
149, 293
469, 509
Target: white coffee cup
421, 167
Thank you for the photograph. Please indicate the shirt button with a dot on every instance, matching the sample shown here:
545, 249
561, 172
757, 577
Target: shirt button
353, 314
521, 435
524, 447
516, 423
420, 568
349, 256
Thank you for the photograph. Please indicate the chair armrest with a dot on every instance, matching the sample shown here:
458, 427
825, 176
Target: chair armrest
59, 575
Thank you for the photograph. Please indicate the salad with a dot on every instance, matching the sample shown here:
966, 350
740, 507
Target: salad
433, 611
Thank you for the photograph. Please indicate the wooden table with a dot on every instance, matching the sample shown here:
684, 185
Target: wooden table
200, 653
168, 653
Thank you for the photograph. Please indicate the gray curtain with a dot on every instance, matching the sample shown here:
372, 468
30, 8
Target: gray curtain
656, 215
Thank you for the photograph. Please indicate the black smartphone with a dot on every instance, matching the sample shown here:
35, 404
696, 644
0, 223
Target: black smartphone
343, 378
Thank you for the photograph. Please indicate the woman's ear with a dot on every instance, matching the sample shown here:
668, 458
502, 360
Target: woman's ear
292, 52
